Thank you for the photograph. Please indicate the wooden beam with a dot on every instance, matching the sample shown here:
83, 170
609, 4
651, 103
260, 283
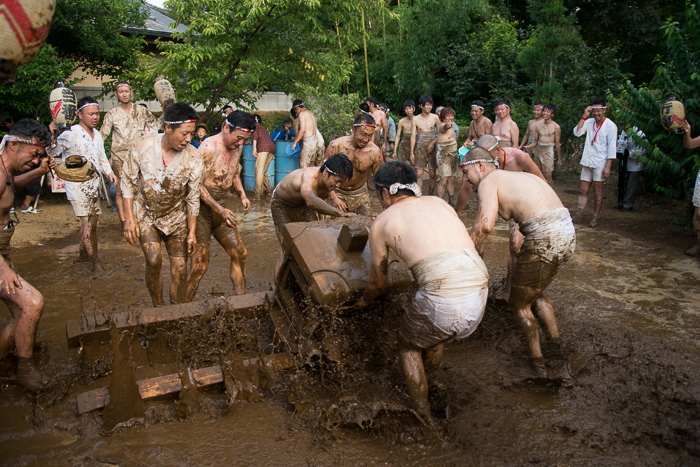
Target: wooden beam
169, 384
97, 325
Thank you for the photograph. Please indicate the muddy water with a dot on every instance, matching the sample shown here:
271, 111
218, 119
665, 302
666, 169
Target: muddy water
626, 392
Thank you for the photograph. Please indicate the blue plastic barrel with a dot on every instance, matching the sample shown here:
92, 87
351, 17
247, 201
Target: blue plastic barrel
284, 163
249, 169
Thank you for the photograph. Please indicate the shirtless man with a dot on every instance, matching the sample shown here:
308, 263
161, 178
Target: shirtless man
21, 150
403, 133
161, 176
479, 125
422, 134
380, 121
529, 136
300, 195
306, 132
452, 279
221, 172
550, 241
126, 122
505, 128
83, 140
547, 135
352, 194
447, 153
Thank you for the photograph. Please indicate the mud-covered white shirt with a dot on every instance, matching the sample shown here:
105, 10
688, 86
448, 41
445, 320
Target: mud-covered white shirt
126, 128
164, 196
596, 153
77, 142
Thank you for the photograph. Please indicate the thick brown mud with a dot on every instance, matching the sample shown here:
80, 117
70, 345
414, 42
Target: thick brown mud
625, 390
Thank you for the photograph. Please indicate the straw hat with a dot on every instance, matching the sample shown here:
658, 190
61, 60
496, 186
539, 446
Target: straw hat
76, 169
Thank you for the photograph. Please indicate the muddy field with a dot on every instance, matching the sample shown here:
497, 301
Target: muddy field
626, 391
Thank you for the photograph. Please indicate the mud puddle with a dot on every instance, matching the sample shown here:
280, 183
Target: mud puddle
625, 392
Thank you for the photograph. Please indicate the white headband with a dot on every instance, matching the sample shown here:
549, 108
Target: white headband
478, 107
179, 122
599, 107
89, 103
122, 84
394, 188
464, 164
237, 127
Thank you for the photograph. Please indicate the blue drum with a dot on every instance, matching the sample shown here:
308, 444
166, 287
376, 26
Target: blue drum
285, 163
249, 169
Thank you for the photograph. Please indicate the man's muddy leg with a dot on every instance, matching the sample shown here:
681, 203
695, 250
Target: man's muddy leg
119, 201
520, 303
92, 250
26, 306
84, 233
7, 337
414, 373
154, 278
441, 187
451, 187
582, 200
515, 243
178, 285
199, 264
598, 196
419, 174
545, 313
431, 176
233, 244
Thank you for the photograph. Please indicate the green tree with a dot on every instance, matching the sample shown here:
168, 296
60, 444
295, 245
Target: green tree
233, 50
668, 167
334, 112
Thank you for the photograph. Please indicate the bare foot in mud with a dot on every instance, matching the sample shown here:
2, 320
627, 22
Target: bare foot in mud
694, 251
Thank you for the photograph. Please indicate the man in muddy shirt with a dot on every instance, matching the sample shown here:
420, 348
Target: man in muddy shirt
126, 122
20, 151
300, 195
160, 186
452, 279
83, 140
422, 134
308, 133
352, 194
505, 128
221, 154
550, 240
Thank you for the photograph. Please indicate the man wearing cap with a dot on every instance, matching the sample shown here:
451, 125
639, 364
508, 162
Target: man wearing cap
126, 122
20, 151
452, 279
505, 128
222, 172
352, 194
550, 241
160, 186
547, 136
479, 125
529, 136
598, 154
308, 133
403, 133
380, 134
422, 134
84, 194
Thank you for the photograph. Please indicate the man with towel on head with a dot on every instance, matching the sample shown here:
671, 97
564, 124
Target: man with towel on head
84, 141
20, 151
550, 241
422, 134
452, 279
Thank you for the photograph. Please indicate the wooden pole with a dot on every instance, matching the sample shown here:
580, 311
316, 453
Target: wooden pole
364, 40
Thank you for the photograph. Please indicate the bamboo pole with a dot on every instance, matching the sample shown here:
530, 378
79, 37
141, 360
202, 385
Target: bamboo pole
364, 40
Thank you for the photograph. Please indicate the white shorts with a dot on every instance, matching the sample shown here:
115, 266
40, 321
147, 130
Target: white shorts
592, 175
85, 207
696, 194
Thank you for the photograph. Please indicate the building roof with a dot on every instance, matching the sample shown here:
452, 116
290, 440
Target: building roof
157, 24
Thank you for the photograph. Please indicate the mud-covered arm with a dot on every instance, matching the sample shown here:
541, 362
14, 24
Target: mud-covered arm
379, 254
28, 177
107, 124
314, 202
129, 186
486, 217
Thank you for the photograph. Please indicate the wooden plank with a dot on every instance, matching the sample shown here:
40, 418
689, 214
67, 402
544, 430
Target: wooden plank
169, 384
98, 325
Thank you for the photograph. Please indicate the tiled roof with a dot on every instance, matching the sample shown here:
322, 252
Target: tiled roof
157, 24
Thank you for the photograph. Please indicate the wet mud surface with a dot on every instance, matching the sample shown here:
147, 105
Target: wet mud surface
625, 390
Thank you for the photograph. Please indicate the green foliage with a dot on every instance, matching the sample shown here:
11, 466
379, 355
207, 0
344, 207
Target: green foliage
235, 50
334, 112
34, 83
668, 166
89, 32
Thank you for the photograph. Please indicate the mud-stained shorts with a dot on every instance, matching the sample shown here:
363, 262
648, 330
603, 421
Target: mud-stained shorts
310, 149
85, 207
175, 243
211, 223
356, 200
404, 152
423, 158
449, 159
116, 163
589, 174
544, 155
431, 320
5, 238
696, 194
283, 214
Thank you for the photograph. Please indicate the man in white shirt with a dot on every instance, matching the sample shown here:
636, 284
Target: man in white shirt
633, 168
83, 140
598, 154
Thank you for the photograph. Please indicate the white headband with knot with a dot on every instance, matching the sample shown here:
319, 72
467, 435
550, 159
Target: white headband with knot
474, 161
89, 103
395, 187
364, 111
